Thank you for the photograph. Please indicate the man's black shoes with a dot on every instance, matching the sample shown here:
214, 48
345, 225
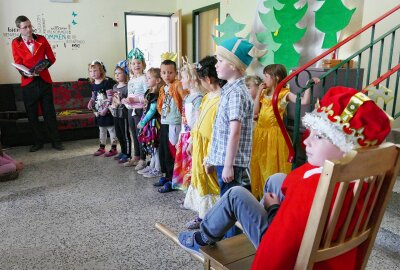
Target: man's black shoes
35, 147
58, 145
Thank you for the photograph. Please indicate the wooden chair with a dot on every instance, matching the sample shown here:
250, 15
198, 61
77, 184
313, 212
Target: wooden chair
378, 167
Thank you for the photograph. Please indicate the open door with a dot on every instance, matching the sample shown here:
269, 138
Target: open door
176, 36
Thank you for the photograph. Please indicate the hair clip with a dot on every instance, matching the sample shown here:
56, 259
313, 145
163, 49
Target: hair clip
96, 61
197, 65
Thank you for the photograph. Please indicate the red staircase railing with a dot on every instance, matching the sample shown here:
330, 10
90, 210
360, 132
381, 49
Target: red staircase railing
331, 51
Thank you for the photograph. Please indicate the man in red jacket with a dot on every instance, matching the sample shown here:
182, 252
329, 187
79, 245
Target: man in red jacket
34, 52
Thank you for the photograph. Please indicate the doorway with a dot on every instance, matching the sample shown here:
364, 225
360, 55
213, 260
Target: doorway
153, 35
204, 21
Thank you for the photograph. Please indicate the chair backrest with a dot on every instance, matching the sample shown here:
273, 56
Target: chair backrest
349, 204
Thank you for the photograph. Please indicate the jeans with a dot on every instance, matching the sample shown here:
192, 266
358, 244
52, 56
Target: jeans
238, 204
240, 178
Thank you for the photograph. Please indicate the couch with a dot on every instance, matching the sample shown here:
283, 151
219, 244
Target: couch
74, 120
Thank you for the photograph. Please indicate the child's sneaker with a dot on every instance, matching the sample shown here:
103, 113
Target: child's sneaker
141, 165
124, 158
131, 163
161, 182
152, 173
119, 156
111, 153
99, 151
145, 170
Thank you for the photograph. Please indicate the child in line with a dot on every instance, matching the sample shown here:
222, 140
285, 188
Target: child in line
252, 84
169, 105
203, 191
99, 103
149, 125
345, 119
9, 168
183, 162
120, 112
272, 157
232, 132
137, 86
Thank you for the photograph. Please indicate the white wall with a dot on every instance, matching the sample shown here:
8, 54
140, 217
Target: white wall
104, 41
94, 29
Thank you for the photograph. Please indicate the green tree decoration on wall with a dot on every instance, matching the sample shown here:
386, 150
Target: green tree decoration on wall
271, 26
229, 27
330, 18
288, 34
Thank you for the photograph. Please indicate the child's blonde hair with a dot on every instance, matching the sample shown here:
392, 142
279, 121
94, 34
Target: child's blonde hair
100, 65
253, 79
190, 71
141, 60
156, 73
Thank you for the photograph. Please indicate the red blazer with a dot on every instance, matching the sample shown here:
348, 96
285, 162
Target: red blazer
23, 56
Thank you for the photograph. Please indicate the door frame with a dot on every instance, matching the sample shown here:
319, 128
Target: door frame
142, 14
196, 13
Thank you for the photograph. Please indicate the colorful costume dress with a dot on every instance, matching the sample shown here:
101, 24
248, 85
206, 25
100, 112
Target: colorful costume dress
270, 151
203, 191
183, 162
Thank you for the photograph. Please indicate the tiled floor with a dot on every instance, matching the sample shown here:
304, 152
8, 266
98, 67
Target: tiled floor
70, 210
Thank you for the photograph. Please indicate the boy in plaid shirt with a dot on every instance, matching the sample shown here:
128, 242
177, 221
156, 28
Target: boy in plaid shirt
232, 132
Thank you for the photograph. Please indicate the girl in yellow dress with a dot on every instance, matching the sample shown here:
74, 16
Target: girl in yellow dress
270, 151
203, 191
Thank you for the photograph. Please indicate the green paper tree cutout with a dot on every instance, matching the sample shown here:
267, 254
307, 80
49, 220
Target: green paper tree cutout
271, 25
289, 33
330, 18
229, 27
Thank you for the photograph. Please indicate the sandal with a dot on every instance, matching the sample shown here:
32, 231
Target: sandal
166, 188
188, 242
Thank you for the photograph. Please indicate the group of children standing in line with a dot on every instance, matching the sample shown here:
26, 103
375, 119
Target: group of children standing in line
198, 130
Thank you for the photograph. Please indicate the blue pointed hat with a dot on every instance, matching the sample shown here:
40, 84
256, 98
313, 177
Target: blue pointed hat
236, 50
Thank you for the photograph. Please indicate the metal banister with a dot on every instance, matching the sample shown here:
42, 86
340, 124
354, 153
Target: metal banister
284, 82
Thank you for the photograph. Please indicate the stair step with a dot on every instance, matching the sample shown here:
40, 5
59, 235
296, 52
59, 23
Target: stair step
394, 136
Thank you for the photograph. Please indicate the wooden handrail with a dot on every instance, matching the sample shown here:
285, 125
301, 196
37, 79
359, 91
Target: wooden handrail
307, 65
382, 78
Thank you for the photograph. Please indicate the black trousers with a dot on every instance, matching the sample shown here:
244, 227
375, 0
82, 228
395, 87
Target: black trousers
166, 159
133, 122
123, 135
35, 93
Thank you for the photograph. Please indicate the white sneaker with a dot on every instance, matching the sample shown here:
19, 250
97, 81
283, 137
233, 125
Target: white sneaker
152, 173
145, 170
141, 165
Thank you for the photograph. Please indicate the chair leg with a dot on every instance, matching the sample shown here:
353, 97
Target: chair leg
207, 264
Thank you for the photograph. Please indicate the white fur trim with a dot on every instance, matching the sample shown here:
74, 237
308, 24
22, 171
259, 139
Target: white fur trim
319, 122
312, 172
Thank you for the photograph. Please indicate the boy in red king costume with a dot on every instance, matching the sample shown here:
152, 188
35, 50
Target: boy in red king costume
345, 119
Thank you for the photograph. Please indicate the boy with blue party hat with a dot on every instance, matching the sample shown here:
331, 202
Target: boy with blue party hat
232, 132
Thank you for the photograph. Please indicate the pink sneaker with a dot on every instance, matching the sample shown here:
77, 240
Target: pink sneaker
111, 153
99, 152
